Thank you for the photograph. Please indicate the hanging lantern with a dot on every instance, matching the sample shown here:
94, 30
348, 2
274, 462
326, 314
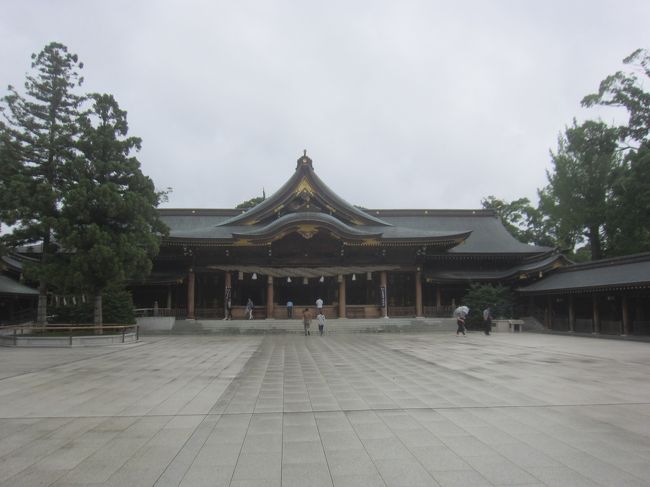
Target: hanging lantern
354, 277
368, 276
240, 276
339, 278
254, 276
322, 279
305, 281
288, 278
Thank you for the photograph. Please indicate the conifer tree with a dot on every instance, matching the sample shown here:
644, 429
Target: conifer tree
109, 225
38, 138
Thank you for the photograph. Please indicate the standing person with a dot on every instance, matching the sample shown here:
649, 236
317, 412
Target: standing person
319, 305
321, 323
306, 320
487, 320
289, 309
229, 309
249, 308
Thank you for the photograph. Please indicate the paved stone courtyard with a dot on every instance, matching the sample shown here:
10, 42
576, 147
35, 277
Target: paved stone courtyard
345, 410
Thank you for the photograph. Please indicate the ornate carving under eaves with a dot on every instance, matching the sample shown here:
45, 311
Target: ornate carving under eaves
307, 231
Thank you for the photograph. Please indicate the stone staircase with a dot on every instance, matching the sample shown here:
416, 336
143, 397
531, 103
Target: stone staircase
333, 327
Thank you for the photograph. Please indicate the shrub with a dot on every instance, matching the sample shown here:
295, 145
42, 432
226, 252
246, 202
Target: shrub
479, 296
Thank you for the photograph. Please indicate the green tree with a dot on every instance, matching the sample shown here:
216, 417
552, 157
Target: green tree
248, 204
38, 138
629, 219
577, 197
629, 228
625, 90
522, 220
109, 226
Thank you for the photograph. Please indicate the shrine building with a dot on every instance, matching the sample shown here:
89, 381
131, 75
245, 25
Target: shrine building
305, 242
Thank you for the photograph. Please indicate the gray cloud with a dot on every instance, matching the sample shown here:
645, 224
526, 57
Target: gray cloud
423, 104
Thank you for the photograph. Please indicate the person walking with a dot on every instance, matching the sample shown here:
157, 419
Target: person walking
319, 305
461, 313
321, 323
306, 320
487, 320
289, 309
249, 308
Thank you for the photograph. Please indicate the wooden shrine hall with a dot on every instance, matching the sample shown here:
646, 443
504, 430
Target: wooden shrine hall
305, 242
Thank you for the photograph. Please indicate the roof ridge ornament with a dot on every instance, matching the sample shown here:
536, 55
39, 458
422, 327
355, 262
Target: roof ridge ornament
304, 161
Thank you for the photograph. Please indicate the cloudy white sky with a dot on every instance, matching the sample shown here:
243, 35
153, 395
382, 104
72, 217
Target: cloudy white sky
400, 104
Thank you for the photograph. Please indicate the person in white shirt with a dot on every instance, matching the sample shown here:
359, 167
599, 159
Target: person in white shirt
319, 306
321, 323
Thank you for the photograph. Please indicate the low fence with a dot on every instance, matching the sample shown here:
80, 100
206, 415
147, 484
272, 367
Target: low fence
354, 311
67, 336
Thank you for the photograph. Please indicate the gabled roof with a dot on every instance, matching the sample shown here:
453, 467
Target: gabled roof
631, 271
304, 191
306, 205
303, 205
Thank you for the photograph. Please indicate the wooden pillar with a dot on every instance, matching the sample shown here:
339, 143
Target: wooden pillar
227, 293
596, 314
438, 297
548, 321
269, 297
572, 314
191, 278
626, 315
169, 296
418, 295
384, 283
341, 296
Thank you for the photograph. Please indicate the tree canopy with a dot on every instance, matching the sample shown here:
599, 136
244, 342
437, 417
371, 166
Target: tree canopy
39, 133
108, 226
598, 191
577, 197
70, 183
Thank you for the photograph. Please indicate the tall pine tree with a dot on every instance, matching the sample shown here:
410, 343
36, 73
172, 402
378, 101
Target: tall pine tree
39, 135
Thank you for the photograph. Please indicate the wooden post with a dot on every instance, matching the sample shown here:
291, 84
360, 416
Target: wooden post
418, 294
169, 296
342, 297
626, 315
596, 314
572, 314
438, 298
227, 293
384, 283
269, 297
548, 322
190, 294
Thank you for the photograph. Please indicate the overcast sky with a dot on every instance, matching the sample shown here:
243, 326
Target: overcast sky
400, 104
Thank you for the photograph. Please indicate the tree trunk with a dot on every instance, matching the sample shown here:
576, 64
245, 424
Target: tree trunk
99, 322
41, 313
594, 243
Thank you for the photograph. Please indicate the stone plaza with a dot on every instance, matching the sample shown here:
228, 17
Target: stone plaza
340, 410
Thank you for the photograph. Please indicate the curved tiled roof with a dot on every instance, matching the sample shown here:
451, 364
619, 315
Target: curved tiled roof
607, 274
11, 287
304, 196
